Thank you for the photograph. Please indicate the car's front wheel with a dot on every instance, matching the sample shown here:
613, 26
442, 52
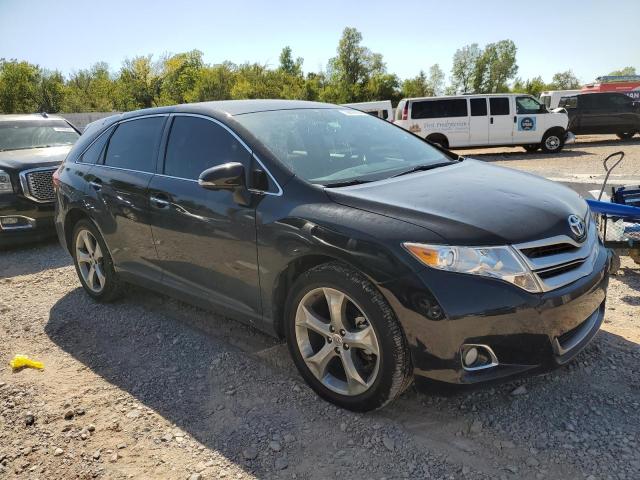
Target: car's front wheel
345, 339
625, 135
93, 263
552, 142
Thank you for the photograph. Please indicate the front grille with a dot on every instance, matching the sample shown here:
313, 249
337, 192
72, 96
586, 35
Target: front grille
561, 260
37, 184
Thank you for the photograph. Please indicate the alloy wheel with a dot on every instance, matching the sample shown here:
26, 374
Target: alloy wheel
337, 342
90, 261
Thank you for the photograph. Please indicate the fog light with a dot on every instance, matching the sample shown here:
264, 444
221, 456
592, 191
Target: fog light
477, 357
16, 222
470, 356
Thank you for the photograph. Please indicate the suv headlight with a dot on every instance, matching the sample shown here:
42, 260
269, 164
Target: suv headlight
495, 262
5, 182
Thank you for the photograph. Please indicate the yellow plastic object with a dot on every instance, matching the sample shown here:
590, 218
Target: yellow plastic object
20, 361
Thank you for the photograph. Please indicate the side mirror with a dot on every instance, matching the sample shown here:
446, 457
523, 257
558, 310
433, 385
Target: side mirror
228, 176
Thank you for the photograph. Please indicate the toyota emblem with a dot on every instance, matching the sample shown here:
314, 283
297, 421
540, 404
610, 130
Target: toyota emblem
577, 226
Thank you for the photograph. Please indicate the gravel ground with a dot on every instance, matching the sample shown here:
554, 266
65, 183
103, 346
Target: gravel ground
149, 387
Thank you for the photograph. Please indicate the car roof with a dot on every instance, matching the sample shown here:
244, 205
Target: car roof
472, 95
19, 117
232, 107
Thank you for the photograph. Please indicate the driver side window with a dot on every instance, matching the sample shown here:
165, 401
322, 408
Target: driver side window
527, 105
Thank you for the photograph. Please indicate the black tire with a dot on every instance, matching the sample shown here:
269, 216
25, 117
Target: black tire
394, 373
531, 148
113, 285
440, 140
552, 141
625, 135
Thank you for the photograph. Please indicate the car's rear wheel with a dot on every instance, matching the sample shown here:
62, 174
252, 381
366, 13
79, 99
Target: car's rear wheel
93, 263
625, 135
531, 148
345, 340
552, 142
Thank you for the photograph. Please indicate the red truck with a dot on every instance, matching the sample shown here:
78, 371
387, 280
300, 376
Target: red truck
627, 84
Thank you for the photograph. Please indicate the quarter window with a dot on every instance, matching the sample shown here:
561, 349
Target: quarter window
455, 107
95, 152
499, 105
134, 144
196, 144
478, 107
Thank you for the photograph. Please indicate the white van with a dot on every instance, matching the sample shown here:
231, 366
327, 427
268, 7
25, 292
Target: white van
382, 108
552, 97
485, 121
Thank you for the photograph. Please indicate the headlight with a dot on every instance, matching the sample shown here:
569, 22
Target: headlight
495, 262
5, 182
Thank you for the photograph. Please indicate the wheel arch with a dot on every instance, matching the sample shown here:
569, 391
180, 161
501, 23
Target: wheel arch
434, 137
72, 217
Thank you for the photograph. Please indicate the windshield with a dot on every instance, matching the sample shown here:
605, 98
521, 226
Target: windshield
19, 135
332, 146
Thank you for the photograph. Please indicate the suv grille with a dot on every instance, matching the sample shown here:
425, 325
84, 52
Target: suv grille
560, 260
37, 184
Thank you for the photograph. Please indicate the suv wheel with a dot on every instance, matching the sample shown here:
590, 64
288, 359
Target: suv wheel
552, 142
345, 340
625, 135
93, 263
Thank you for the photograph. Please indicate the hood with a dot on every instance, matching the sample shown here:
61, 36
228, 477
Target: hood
33, 157
471, 203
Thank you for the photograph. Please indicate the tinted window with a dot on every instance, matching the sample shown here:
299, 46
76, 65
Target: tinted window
94, 153
196, 144
134, 144
527, 105
620, 100
478, 107
23, 134
499, 105
456, 107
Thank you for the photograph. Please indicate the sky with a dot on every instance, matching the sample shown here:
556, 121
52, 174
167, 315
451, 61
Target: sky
591, 38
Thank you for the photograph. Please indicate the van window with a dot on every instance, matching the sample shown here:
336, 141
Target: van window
478, 107
546, 100
568, 102
620, 100
134, 144
455, 107
499, 105
196, 144
526, 105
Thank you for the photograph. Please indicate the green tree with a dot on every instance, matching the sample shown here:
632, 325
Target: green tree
92, 90
50, 92
436, 79
495, 67
18, 84
139, 84
288, 65
464, 67
179, 76
564, 81
624, 71
213, 83
417, 86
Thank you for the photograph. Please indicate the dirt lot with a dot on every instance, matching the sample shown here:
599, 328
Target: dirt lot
149, 387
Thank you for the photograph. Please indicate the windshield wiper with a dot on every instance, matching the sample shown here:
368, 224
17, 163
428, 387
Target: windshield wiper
346, 183
422, 168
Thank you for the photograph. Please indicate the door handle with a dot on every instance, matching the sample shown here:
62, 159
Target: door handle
96, 183
159, 201
515, 118
491, 120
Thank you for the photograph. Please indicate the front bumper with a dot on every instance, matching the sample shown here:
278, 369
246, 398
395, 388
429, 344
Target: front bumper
569, 138
441, 311
35, 220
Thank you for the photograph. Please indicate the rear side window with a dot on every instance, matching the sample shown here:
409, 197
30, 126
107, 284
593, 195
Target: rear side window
499, 105
134, 144
568, 102
95, 152
455, 107
196, 144
478, 107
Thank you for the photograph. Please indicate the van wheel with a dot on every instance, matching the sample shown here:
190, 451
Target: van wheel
552, 142
440, 140
93, 263
531, 148
345, 339
625, 135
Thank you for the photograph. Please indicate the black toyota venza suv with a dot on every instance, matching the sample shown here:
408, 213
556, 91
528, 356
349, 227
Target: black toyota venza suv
376, 255
32, 147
